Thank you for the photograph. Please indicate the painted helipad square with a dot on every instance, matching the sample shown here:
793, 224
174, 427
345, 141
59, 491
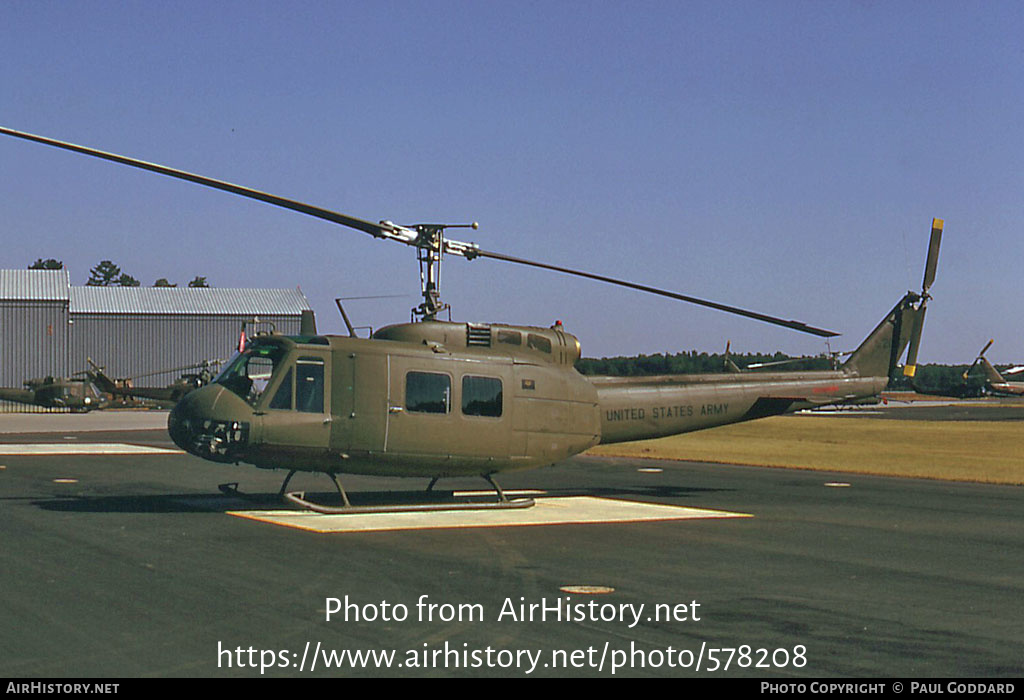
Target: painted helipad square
570, 510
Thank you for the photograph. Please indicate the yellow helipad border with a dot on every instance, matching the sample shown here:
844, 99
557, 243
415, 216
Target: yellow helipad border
569, 510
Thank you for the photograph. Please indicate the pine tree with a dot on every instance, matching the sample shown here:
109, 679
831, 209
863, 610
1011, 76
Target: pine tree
48, 264
104, 274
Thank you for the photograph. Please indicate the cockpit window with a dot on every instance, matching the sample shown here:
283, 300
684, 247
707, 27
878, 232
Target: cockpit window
248, 373
283, 398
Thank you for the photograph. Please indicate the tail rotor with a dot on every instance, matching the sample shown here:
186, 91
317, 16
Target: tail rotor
978, 359
910, 368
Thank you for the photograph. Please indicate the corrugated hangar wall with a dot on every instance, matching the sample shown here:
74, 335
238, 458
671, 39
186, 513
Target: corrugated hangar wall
48, 327
34, 345
128, 345
33, 329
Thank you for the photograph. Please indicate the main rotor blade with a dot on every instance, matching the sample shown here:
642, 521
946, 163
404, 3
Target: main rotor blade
795, 325
774, 363
405, 235
371, 228
194, 365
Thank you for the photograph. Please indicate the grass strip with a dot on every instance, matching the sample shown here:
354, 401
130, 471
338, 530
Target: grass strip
987, 452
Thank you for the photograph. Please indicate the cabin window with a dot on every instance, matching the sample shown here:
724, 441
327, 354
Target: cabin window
309, 385
428, 392
481, 396
510, 337
283, 398
538, 342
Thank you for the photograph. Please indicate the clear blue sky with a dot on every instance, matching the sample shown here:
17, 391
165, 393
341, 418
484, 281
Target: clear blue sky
782, 156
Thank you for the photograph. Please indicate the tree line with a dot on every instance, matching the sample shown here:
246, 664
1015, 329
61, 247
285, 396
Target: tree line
933, 377
107, 274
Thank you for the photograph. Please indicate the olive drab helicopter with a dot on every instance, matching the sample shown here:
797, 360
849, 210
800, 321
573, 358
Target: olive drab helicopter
991, 383
91, 389
170, 394
995, 383
76, 393
434, 398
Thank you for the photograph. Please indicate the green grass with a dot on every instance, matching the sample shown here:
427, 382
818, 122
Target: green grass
953, 450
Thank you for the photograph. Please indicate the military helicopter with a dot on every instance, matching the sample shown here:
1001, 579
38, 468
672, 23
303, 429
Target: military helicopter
91, 389
992, 383
76, 393
162, 395
434, 399
995, 383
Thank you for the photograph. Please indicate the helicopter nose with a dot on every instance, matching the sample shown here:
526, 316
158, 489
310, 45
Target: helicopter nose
208, 423
180, 422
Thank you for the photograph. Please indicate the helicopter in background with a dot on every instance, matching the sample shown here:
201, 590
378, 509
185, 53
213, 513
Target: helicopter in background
995, 383
92, 389
992, 382
436, 399
76, 393
167, 395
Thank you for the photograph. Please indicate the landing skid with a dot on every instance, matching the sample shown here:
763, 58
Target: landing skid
299, 499
503, 503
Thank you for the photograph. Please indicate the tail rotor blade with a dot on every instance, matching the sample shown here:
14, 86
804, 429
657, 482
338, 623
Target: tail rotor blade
933, 254
979, 358
910, 368
971, 368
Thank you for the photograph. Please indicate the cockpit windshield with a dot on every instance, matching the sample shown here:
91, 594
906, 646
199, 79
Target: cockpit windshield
248, 373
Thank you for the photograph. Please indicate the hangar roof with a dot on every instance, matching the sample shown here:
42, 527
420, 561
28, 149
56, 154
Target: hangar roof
34, 285
205, 301
54, 285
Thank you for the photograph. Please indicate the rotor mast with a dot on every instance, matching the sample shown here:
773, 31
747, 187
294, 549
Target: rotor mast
430, 249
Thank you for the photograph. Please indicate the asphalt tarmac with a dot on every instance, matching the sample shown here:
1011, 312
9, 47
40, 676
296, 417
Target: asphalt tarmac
133, 565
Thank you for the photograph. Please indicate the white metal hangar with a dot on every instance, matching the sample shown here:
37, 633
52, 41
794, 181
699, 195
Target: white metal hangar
49, 328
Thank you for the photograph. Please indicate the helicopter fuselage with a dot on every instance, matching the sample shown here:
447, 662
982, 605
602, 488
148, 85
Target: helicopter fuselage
55, 392
443, 399
421, 399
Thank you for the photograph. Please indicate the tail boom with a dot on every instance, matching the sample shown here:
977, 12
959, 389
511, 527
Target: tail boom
639, 408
